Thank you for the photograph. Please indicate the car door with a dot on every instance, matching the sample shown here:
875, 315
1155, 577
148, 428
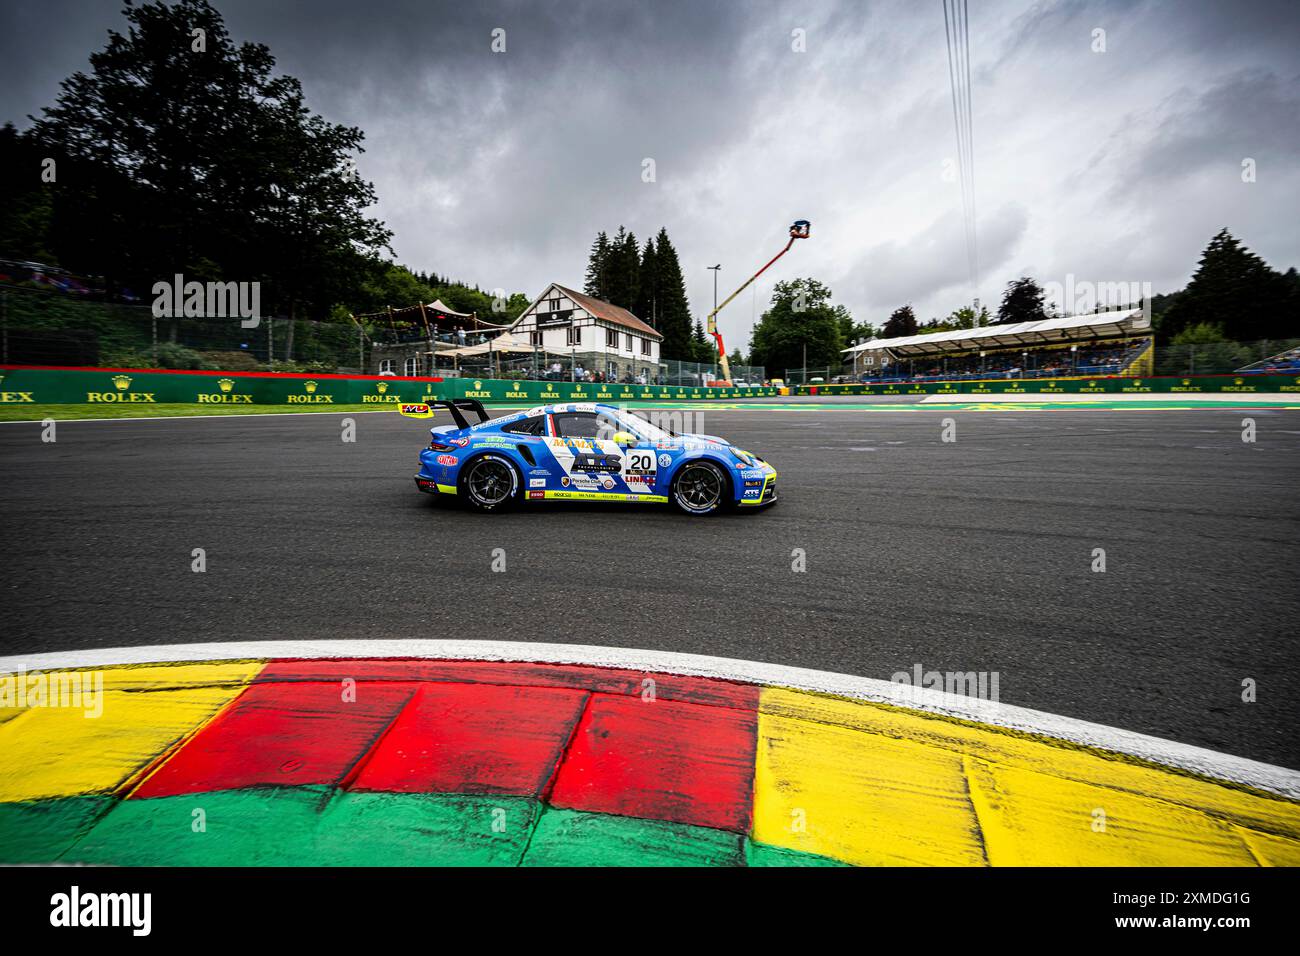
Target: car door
590, 466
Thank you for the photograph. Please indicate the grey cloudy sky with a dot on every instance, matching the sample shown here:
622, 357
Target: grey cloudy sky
498, 169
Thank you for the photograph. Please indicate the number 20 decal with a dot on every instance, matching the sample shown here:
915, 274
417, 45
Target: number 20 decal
640, 461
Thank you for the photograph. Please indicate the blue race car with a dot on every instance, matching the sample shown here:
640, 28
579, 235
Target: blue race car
589, 452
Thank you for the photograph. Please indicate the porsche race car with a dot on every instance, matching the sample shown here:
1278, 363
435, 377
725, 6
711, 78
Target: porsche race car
588, 452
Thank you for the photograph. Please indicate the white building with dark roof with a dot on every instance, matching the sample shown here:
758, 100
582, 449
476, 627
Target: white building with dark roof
601, 337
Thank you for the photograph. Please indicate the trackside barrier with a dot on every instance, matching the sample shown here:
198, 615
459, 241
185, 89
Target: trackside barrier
1066, 386
98, 386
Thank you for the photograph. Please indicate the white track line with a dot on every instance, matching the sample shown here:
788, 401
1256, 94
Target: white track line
1170, 753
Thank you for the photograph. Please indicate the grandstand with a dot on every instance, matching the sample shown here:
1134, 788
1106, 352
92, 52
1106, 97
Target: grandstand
1100, 343
1284, 362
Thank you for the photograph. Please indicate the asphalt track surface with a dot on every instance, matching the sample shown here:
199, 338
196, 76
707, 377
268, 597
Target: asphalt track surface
973, 555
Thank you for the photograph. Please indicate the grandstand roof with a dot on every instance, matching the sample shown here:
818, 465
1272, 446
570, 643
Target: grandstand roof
1069, 328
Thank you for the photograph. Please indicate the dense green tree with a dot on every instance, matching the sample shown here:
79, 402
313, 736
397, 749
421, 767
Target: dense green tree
1237, 291
25, 201
1022, 301
967, 318
177, 153
800, 316
703, 347
902, 321
851, 331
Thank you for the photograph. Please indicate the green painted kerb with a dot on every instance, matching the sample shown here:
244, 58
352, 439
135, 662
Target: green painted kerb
321, 826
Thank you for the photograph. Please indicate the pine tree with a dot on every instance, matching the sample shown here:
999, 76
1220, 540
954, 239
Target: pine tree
622, 268
674, 311
647, 306
901, 322
1021, 302
1236, 290
597, 261
703, 348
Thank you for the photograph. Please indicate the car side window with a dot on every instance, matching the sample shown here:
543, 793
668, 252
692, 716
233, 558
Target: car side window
576, 424
525, 426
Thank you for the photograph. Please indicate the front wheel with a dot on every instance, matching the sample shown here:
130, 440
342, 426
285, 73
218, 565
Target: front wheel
489, 483
699, 488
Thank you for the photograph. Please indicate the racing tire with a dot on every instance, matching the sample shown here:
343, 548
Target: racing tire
489, 483
700, 487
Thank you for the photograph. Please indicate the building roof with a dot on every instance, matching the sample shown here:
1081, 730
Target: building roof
608, 312
1068, 328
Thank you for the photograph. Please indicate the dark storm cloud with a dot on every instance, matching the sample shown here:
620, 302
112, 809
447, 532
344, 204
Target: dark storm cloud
499, 168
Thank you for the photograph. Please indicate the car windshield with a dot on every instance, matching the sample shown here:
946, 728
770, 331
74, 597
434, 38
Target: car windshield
627, 421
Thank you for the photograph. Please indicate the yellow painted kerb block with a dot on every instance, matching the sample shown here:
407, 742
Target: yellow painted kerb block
60, 752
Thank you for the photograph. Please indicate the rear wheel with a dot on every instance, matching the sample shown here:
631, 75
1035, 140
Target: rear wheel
699, 488
489, 483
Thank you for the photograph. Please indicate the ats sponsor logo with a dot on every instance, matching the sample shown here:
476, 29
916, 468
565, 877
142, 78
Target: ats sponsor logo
226, 396
589, 461
122, 393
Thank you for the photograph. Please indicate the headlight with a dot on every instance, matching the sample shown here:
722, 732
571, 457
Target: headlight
744, 457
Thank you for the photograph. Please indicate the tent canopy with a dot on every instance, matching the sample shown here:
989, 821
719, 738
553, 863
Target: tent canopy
437, 305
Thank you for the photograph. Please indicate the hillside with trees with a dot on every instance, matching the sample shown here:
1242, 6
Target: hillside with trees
181, 151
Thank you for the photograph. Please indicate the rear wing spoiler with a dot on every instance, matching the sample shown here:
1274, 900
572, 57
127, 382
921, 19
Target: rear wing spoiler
458, 407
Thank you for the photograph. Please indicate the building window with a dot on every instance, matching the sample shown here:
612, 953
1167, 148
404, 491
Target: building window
386, 367
628, 343
536, 338
411, 366
645, 346
553, 305
611, 338
575, 335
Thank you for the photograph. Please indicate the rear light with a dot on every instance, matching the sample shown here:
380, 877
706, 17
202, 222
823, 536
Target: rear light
436, 445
